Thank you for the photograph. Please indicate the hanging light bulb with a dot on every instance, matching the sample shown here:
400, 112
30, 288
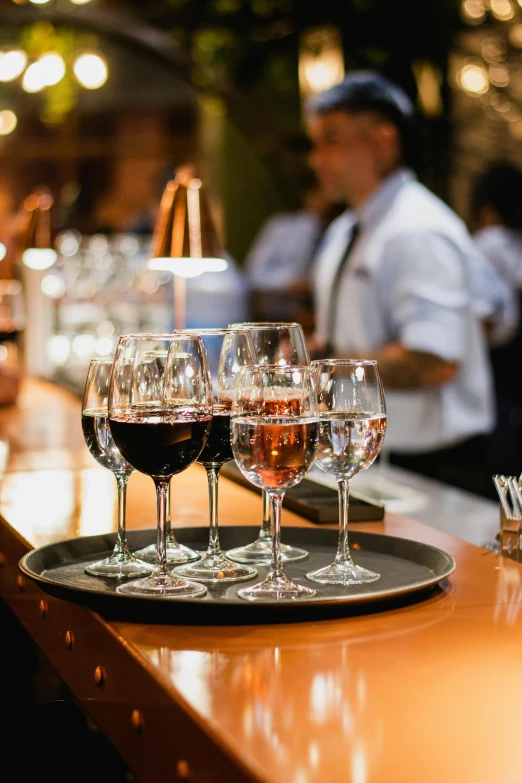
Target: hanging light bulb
36, 236
52, 68
12, 64
91, 71
8, 122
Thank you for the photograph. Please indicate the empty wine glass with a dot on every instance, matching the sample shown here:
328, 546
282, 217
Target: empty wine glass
274, 449
228, 350
352, 425
275, 344
121, 562
160, 414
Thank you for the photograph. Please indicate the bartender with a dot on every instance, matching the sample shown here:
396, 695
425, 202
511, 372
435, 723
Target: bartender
396, 280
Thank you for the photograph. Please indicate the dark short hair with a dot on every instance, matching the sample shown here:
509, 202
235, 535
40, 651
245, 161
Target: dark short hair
500, 187
365, 91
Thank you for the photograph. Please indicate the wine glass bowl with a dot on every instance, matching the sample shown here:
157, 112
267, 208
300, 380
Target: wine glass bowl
280, 344
274, 435
352, 426
227, 350
121, 563
160, 408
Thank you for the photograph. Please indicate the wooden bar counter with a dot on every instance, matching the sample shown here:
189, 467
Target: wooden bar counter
428, 692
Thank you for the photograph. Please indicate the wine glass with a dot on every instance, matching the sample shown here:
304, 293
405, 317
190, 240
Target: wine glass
352, 425
121, 562
279, 344
274, 449
227, 351
177, 553
160, 415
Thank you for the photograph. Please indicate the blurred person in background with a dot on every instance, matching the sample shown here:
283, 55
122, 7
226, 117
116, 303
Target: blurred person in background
277, 265
496, 222
398, 279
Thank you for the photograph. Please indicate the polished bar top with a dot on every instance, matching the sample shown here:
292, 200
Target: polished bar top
427, 692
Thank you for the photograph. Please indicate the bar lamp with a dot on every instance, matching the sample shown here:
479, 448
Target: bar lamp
35, 231
185, 240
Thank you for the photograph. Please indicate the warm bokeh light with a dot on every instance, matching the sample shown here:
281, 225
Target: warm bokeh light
473, 10
499, 75
68, 242
3, 251
8, 122
83, 346
52, 68
34, 78
515, 35
12, 64
39, 258
59, 348
53, 286
91, 71
493, 50
502, 9
321, 59
80, 2
39, 2
473, 78
500, 102
104, 346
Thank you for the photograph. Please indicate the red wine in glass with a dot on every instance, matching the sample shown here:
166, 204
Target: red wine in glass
158, 444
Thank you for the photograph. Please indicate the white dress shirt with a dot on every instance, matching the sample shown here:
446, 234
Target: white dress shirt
411, 279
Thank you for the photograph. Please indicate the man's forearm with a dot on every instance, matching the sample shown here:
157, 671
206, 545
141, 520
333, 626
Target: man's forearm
401, 368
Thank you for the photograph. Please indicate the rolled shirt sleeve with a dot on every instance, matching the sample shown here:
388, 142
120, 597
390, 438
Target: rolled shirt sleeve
426, 280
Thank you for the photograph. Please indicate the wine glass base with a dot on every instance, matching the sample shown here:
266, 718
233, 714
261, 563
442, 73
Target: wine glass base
343, 574
116, 567
215, 570
280, 589
176, 554
260, 551
169, 587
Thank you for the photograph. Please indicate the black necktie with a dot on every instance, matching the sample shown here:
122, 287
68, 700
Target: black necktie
334, 291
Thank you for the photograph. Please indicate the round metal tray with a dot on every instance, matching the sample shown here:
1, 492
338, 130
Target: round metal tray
410, 571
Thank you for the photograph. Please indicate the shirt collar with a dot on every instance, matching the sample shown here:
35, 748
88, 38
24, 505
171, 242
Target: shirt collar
381, 199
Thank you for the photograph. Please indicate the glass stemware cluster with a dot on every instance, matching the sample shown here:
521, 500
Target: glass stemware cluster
246, 392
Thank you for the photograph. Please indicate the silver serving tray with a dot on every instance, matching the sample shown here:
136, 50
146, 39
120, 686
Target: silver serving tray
410, 571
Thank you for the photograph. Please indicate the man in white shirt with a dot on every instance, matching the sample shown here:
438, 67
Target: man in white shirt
409, 291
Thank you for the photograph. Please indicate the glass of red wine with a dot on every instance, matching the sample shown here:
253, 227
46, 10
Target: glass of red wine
160, 414
352, 425
121, 563
275, 344
177, 553
228, 350
274, 449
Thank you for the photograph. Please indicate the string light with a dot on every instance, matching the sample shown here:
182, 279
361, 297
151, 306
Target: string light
91, 71
12, 64
8, 122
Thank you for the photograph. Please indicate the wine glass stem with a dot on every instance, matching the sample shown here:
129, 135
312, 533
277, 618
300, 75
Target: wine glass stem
214, 549
276, 566
121, 546
343, 550
168, 512
265, 534
162, 488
